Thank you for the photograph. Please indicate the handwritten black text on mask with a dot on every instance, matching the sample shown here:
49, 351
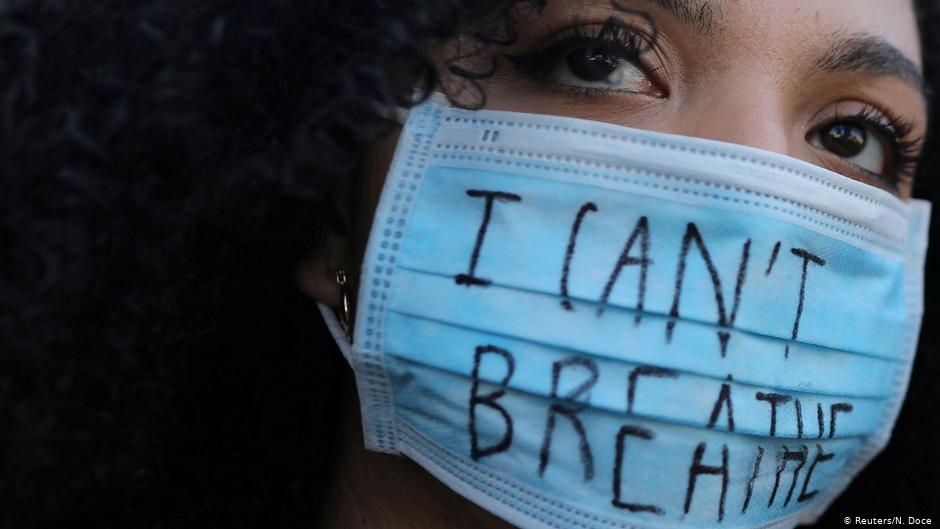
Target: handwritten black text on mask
567, 406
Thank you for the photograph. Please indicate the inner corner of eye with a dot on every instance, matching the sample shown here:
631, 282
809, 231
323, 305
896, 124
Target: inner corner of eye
813, 137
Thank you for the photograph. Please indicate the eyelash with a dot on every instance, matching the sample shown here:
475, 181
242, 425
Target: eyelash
614, 35
905, 154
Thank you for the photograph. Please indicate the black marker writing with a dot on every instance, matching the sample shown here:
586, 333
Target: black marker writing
489, 400
569, 252
796, 456
570, 412
819, 420
724, 399
698, 469
783, 458
753, 478
821, 457
725, 319
641, 232
645, 371
839, 406
469, 278
641, 433
773, 399
773, 258
799, 418
807, 258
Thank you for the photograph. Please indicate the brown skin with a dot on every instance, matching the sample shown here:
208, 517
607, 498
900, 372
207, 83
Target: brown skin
753, 79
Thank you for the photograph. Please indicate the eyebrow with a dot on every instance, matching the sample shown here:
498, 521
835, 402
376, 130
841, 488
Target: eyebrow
871, 55
698, 14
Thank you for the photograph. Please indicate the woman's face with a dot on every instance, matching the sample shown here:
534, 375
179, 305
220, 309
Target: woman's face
834, 83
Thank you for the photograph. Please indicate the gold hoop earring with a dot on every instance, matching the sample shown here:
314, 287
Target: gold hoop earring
345, 312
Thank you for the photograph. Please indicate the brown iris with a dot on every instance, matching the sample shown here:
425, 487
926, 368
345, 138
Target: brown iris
843, 139
593, 64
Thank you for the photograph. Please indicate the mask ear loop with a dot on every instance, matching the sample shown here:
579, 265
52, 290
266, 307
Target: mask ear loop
340, 322
336, 331
345, 312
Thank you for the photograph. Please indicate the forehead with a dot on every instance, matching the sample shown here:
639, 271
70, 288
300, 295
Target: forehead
812, 23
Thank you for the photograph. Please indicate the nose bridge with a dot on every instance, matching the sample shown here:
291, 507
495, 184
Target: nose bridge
750, 113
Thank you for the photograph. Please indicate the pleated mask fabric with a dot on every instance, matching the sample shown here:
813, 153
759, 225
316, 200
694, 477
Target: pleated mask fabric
581, 325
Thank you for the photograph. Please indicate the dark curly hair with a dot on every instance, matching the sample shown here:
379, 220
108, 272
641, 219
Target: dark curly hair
164, 166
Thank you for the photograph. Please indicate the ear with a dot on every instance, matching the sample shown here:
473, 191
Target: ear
355, 200
316, 275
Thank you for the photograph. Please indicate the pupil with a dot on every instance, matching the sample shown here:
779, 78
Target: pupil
844, 139
591, 64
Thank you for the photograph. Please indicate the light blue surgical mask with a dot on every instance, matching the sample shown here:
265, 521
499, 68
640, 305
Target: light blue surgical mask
581, 325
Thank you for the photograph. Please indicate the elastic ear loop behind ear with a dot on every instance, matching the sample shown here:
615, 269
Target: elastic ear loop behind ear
336, 330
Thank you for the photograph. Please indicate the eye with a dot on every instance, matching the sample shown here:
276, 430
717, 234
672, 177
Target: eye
868, 145
593, 58
600, 67
855, 143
